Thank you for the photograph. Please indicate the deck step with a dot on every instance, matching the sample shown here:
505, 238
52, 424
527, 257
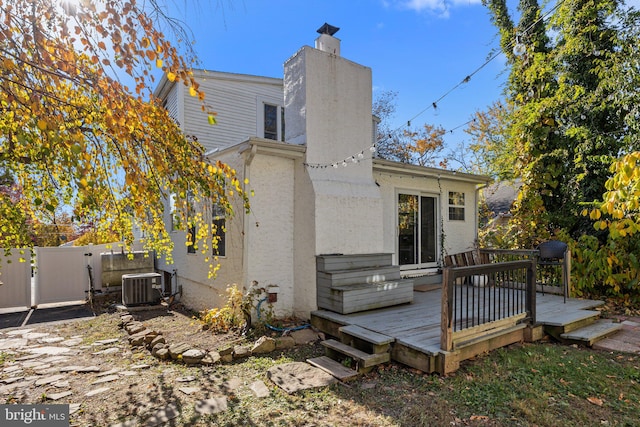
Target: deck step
571, 317
334, 368
366, 335
365, 339
593, 333
363, 360
564, 323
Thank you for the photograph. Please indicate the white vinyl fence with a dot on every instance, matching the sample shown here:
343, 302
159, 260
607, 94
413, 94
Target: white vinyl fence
60, 274
15, 290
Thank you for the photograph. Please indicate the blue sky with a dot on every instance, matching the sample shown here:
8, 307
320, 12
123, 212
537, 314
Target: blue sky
416, 48
420, 49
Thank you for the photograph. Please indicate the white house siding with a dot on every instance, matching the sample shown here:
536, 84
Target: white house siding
459, 235
270, 228
174, 103
237, 100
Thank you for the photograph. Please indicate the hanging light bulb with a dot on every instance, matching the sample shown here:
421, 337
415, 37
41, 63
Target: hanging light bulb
361, 155
372, 148
519, 49
344, 163
335, 166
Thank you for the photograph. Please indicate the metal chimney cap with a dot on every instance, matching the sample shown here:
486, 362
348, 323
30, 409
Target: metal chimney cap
328, 29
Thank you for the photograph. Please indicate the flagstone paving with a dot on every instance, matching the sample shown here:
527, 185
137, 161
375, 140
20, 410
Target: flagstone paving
54, 365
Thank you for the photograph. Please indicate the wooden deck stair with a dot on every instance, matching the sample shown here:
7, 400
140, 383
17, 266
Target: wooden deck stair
584, 327
362, 348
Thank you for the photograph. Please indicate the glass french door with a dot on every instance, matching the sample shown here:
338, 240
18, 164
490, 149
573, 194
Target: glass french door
417, 230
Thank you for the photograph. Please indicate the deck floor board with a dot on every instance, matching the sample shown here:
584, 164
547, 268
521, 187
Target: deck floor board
418, 324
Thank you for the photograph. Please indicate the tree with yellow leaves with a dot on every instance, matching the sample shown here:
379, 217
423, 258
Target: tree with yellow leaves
73, 135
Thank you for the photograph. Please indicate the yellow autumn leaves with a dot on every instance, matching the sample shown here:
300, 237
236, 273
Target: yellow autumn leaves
75, 139
621, 202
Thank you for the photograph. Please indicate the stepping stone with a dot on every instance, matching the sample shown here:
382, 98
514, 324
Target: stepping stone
80, 369
162, 416
61, 384
128, 373
89, 369
5, 389
105, 342
189, 390
296, 376
259, 389
27, 357
47, 371
130, 423
19, 332
105, 379
51, 340
52, 351
111, 372
72, 342
34, 335
186, 379
13, 343
55, 359
35, 364
11, 369
73, 408
58, 396
11, 380
211, 406
142, 366
49, 380
110, 350
97, 391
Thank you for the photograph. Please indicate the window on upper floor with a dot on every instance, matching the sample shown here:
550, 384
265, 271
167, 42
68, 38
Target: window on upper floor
270, 121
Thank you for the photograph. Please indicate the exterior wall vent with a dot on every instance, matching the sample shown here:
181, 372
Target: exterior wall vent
142, 288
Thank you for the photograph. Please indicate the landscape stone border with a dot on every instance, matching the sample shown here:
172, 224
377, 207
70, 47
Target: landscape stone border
155, 342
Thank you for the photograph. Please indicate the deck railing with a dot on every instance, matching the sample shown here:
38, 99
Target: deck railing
482, 299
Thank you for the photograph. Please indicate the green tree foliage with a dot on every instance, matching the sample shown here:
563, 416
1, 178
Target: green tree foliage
72, 135
573, 96
564, 129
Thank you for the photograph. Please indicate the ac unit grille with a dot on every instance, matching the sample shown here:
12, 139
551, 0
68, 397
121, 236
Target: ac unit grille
141, 289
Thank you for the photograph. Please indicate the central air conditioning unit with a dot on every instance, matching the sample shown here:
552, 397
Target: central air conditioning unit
141, 288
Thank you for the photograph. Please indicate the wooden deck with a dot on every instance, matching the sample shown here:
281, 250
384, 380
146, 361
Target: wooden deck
416, 328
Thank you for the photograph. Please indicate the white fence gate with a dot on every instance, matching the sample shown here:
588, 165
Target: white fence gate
60, 274
15, 276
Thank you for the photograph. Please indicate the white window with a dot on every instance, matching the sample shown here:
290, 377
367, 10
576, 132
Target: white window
456, 206
270, 120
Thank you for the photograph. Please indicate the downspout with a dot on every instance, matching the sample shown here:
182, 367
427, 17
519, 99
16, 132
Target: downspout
249, 156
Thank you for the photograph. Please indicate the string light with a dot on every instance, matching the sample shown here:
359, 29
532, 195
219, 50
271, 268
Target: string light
355, 159
515, 44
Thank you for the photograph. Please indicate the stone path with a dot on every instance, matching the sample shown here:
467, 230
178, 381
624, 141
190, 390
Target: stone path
626, 340
48, 364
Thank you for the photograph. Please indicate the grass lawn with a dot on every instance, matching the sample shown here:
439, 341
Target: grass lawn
540, 384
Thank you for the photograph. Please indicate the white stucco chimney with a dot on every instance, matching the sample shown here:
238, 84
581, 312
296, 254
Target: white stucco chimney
328, 108
326, 42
